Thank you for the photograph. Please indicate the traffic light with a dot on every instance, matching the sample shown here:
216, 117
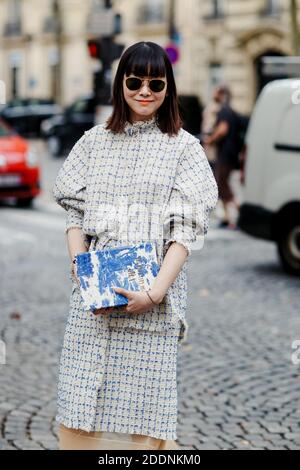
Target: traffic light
106, 51
94, 48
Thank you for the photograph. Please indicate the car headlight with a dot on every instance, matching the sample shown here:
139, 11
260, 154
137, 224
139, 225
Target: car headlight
31, 159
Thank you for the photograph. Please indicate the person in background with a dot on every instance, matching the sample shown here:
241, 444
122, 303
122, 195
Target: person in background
225, 137
209, 117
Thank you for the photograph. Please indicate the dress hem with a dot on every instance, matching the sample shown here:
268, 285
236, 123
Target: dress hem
73, 424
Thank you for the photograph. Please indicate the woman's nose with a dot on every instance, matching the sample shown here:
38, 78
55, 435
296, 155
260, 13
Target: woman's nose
145, 89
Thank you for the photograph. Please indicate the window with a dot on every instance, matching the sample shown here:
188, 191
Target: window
13, 25
151, 11
51, 21
15, 81
5, 131
287, 135
82, 106
216, 76
14, 11
218, 8
54, 81
272, 8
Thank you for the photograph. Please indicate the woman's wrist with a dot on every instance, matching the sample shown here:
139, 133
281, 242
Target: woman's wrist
156, 295
73, 258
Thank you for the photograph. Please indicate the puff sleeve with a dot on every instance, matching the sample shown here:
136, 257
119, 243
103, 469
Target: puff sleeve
70, 185
193, 197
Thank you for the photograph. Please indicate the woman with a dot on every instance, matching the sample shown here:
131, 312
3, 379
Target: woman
117, 380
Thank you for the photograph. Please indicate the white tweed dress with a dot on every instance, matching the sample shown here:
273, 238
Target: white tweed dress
118, 372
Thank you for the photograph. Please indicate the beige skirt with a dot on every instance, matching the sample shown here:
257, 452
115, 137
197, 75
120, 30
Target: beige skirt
76, 439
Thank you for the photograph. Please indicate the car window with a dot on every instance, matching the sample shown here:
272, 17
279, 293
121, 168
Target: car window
79, 106
82, 106
91, 106
288, 126
5, 131
16, 102
39, 102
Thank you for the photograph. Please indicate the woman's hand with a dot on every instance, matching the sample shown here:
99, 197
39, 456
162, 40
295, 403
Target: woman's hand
138, 302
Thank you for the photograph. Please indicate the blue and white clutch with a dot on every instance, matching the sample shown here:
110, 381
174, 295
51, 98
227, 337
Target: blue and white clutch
131, 267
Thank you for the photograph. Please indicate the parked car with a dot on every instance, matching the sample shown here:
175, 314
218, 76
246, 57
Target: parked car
271, 208
19, 168
26, 115
62, 131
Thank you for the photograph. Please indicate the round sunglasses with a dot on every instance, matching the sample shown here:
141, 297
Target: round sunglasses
155, 85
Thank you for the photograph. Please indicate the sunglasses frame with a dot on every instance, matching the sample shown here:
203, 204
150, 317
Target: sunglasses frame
146, 80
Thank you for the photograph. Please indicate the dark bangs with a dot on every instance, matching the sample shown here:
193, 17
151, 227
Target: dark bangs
143, 62
145, 59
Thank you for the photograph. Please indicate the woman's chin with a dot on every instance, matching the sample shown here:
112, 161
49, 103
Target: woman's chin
144, 114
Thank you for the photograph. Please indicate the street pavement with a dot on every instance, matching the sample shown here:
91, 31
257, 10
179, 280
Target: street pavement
237, 385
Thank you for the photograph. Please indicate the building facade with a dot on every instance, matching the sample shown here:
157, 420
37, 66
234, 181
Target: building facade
31, 48
219, 40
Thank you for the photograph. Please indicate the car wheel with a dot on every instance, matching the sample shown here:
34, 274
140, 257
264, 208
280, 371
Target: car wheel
54, 146
25, 202
289, 248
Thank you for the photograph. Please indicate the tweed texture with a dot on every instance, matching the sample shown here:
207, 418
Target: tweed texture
137, 186
117, 379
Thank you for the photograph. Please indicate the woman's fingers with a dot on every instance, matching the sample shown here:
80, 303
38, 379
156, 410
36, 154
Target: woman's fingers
122, 291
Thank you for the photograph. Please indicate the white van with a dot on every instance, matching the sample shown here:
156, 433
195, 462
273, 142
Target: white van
271, 207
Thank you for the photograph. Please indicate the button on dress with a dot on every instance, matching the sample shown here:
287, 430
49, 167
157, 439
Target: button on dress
118, 372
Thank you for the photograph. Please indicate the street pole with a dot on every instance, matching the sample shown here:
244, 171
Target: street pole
107, 42
103, 26
58, 41
295, 27
172, 29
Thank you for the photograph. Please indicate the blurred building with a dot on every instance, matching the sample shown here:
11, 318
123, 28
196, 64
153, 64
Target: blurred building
233, 38
32, 44
219, 40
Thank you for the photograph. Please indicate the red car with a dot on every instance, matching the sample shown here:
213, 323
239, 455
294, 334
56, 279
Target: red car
19, 168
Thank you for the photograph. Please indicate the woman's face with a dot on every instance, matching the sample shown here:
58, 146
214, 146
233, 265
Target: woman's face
143, 103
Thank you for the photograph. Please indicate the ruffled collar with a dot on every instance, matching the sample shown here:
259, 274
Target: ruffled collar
140, 126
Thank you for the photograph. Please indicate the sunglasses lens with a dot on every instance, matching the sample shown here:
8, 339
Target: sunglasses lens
133, 83
157, 85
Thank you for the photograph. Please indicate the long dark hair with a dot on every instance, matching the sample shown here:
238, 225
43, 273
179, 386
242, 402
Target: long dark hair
145, 59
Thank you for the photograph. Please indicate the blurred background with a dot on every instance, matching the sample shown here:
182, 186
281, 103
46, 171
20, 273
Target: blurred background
57, 63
